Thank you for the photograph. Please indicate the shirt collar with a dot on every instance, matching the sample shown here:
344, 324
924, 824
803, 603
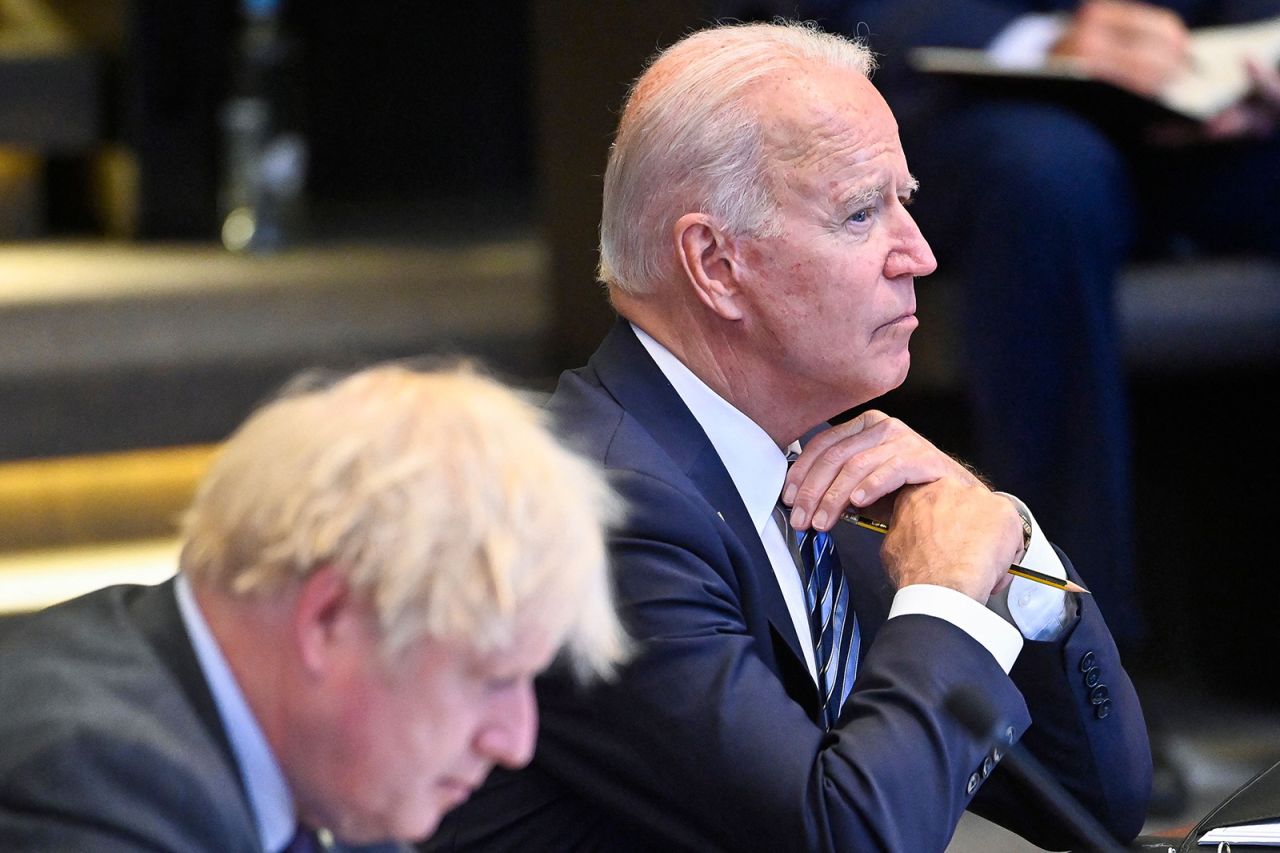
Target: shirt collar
264, 782
755, 464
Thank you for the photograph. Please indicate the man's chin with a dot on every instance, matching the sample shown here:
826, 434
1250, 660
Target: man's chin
894, 374
421, 825
405, 828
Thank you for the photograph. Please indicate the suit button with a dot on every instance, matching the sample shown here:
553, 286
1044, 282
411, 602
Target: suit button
1088, 661
988, 764
973, 784
1102, 709
1100, 694
1092, 677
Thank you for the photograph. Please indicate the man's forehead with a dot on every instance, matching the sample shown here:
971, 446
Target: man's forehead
801, 113
526, 646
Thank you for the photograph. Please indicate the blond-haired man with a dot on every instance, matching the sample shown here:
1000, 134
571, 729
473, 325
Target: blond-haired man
372, 574
790, 685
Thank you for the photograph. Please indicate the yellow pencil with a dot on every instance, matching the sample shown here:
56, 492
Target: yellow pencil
1015, 570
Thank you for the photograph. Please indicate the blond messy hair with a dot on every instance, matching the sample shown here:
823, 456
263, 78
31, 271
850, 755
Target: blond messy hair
690, 140
440, 495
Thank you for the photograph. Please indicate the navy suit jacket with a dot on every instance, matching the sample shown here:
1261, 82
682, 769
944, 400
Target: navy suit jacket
109, 737
710, 738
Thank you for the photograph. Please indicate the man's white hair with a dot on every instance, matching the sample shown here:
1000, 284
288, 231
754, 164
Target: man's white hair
690, 140
439, 495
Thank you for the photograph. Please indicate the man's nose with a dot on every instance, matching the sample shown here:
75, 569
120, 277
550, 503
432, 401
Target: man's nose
911, 254
509, 737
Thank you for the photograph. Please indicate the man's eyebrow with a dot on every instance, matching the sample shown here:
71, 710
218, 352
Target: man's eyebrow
864, 197
861, 198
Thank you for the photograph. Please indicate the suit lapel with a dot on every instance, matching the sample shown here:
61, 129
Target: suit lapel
628, 373
155, 612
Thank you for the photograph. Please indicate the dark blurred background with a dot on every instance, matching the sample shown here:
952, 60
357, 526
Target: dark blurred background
429, 128
451, 200
406, 107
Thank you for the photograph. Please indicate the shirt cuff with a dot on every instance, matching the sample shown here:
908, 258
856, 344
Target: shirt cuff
1040, 612
994, 633
1026, 42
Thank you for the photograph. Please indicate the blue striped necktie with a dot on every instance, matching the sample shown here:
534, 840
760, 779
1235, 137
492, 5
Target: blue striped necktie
832, 625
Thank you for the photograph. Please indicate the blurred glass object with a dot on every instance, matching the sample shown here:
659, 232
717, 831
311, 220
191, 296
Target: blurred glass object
264, 175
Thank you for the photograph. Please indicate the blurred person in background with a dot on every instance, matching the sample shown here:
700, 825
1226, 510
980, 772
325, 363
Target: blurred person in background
371, 576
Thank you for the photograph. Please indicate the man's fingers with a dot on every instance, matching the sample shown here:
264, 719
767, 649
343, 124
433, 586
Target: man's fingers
1232, 123
840, 432
834, 467
1266, 83
830, 482
867, 477
1255, 117
881, 473
1135, 24
1143, 69
815, 453
1132, 45
859, 463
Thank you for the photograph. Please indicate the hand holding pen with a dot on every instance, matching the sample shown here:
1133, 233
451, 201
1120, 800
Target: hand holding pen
1015, 570
949, 528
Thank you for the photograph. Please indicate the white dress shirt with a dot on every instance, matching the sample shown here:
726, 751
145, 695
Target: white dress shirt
264, 782
758, 468
1026, 42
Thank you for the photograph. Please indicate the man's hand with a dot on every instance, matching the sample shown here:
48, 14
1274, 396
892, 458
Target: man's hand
859, 463
1257, 116
1129, 44
946, 526
963, 537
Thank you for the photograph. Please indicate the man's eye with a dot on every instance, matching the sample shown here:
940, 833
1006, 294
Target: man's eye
861, 217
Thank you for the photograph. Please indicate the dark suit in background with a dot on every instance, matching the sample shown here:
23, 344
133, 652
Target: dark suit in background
111, 739
1036, 204
711, 740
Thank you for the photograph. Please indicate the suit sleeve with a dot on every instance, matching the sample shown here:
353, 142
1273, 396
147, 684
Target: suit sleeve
1087, 729
87, 787
701, 743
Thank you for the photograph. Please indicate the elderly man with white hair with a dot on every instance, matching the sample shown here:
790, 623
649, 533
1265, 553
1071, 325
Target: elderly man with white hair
372, 574
788, 691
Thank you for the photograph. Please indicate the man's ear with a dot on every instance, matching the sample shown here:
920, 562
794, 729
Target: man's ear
710, 263
324, 616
